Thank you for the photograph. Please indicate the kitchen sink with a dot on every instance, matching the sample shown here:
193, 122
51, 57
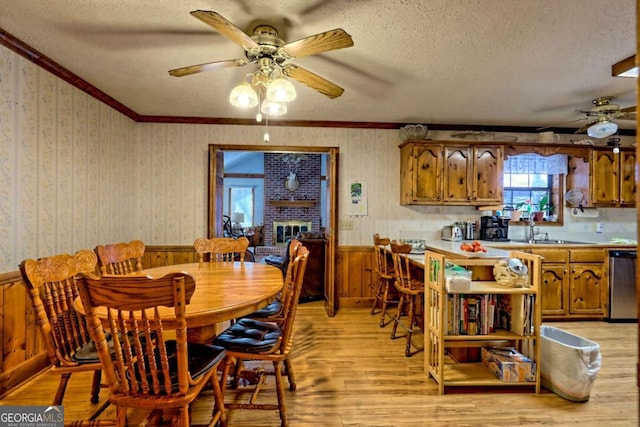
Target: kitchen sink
550, 242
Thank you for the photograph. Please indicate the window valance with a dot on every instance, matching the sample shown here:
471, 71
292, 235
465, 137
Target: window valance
535, 163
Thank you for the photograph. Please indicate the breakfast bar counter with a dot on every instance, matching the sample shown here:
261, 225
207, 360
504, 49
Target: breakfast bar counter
452, 250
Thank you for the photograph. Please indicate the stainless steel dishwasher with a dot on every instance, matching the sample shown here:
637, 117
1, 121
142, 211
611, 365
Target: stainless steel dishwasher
623, 305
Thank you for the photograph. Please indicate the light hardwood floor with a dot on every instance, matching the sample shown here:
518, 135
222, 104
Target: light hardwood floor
351, 374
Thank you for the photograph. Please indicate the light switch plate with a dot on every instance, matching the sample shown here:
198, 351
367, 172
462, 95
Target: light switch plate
346, 224
599, 227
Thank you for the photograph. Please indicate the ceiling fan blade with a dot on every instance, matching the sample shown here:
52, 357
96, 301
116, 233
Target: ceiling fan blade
312, 80
627, 116
631, 109
585, 127
318, 43
193, 69
225, 27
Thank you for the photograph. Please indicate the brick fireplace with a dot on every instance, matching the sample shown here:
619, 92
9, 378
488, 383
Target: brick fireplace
300, 207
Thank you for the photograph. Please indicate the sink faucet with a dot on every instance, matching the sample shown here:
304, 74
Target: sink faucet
532, 229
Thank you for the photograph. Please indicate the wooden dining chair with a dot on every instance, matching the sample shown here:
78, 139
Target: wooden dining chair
384, 293
152, 367
51, 285
222, 249
120, 258
274, 312
256, 340
411, 293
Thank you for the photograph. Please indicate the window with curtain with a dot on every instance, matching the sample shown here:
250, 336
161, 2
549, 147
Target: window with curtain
529, 178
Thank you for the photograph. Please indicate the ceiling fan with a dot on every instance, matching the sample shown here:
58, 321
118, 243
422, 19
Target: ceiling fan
267, 50
601, 117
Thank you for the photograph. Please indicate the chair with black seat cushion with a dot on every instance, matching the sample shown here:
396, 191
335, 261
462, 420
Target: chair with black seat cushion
281, 261
51, 285
274, 312
120, 258
152, 367
411, 293
256, 340
384, 293
222, 249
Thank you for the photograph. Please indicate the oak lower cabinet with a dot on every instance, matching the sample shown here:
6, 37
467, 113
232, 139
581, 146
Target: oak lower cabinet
554, 282
453, 354
588, 289
441, 172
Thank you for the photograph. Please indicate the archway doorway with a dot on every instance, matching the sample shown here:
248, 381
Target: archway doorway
216, 197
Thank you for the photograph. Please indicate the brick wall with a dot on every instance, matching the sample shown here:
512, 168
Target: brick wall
276, 172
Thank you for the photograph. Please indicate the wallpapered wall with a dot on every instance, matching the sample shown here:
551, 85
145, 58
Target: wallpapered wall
75, 173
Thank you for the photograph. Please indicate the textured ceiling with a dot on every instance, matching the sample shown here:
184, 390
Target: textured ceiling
464, 62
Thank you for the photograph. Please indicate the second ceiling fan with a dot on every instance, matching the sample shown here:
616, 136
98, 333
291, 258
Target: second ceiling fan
601, 117
267, 50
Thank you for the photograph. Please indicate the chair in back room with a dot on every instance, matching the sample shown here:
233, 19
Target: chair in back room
223, 249
384, 292
411, 293
120, 258
51, 285
152, 367
256, 340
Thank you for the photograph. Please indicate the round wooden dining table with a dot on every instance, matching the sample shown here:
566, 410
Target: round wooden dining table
224, 291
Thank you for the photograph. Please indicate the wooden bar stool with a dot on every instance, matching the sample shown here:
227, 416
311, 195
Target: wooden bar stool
411, 293
384, 292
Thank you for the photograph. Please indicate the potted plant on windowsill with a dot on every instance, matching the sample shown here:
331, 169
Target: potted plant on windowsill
544, 205
524, 209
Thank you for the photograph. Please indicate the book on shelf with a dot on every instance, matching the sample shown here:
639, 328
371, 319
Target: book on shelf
483, 314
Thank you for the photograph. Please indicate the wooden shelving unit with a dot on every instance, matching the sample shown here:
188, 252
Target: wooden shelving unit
442, 350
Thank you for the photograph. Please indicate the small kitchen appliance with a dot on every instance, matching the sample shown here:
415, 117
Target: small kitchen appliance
452, 233
494, 228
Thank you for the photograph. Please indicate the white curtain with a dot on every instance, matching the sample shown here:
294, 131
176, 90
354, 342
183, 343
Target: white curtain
535, 163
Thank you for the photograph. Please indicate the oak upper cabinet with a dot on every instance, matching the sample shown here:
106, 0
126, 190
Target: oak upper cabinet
451, 173
613, 177
588, 288
487, 174
421, 173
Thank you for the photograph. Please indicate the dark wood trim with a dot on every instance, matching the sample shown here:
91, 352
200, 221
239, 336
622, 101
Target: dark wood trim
244, 175
59, 71
26, 51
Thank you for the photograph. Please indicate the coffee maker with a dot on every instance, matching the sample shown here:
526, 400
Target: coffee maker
494, 228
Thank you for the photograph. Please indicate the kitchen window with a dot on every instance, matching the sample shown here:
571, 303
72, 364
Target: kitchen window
532, 178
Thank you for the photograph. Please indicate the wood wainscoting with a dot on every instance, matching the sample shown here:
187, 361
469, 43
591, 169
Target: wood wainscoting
355, 276
23, 354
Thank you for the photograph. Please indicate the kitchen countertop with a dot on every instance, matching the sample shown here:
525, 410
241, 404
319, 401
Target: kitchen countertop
499, 250
453, 249
585, 244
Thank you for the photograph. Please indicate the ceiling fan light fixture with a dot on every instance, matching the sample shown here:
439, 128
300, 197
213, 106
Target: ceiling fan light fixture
273, 108
281, 90
243, 96
602, 129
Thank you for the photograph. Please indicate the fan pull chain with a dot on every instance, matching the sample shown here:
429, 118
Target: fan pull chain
266, 129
